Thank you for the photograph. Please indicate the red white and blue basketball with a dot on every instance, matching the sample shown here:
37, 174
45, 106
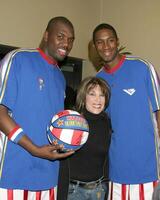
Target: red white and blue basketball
69, 128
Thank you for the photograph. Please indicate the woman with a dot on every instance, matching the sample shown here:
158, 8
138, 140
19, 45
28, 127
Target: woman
89, 165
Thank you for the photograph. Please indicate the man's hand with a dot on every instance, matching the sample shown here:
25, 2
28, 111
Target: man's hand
49, 152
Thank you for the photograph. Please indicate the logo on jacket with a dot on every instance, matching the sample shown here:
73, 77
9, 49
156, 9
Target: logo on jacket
129, 91
41, 83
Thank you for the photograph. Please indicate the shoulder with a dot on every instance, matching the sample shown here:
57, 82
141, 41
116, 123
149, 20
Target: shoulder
16, 59
140, 64
138, 60
24, 52
15, 54
107, 121
104, 116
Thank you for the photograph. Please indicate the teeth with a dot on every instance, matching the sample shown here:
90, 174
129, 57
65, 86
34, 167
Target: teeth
107, 53
62, 51
97, 106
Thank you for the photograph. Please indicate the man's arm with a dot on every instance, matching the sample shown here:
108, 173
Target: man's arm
7, 125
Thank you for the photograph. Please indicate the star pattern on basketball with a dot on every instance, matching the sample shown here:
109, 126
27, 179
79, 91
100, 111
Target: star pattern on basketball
60, 122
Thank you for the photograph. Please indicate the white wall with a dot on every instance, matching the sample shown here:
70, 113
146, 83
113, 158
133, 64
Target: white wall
22, 23
138, 25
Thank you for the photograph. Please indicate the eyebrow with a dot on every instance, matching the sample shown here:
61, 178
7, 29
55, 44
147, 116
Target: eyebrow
63, 33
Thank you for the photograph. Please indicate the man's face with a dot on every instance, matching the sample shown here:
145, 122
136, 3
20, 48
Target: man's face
106, 45
59, 41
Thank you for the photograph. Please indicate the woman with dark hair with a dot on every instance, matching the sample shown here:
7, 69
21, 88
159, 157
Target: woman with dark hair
89, 165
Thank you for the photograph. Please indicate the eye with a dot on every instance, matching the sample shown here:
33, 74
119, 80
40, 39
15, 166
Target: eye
70, 40
91, 93
60, 37
112, 40
98, 42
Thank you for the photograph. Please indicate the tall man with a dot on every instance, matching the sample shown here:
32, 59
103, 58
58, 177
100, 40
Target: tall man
135, 101
32, 89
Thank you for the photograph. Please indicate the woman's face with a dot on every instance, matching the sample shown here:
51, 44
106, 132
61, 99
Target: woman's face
95, 100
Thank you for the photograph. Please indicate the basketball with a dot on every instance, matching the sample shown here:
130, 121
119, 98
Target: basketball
69, 128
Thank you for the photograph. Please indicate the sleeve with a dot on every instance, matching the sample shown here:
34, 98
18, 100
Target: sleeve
8, 81
9, 71
153, 88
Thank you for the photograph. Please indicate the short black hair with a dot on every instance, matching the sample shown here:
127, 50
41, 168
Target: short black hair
62, 19
103, 26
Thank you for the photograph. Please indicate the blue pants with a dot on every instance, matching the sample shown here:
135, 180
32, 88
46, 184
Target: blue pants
77, 192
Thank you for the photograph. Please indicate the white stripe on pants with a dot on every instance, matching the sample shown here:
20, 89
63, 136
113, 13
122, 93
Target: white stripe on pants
6, 194
131, 192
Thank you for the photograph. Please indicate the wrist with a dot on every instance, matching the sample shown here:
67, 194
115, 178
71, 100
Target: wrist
16, 134
28, 145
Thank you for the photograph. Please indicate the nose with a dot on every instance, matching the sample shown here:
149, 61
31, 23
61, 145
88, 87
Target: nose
97, 98
65, 43
106, 45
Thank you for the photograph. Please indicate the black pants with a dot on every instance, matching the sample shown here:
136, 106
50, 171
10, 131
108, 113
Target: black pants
63, 182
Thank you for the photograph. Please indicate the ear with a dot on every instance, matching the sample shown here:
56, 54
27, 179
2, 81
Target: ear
45, 36
93, 44
118, 42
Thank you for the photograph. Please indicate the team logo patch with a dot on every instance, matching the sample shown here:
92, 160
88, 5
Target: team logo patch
130, 91
41, 83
